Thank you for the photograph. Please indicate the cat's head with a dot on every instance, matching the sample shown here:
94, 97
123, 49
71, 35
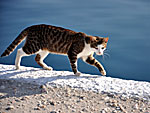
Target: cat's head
98, 44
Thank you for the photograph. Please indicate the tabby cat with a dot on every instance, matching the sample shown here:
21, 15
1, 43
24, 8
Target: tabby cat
44, 39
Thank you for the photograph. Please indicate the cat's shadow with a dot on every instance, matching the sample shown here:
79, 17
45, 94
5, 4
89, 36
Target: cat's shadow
10, 73
66, 77
46, 79
42, 80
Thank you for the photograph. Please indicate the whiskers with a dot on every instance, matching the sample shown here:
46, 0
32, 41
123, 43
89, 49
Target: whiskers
105, 55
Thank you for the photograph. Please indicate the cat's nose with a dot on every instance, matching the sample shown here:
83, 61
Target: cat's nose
98, 53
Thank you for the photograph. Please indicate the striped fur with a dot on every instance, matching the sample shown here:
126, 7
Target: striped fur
92, 61
43, 39
15, 43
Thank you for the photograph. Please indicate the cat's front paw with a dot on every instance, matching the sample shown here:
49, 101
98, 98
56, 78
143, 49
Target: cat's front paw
17, 67
103, 72
77, 73
48, 68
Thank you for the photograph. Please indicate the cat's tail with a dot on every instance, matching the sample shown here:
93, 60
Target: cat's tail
15, 43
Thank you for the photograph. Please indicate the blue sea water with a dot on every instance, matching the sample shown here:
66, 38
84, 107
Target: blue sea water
125, 22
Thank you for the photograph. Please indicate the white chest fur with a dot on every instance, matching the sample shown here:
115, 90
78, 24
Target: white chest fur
86, 51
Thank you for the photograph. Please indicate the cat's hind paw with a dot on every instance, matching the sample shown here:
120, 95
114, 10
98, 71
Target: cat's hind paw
78, 74
103, 72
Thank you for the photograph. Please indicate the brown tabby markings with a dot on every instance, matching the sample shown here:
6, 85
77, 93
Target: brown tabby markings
37, 59
41, 39
91, 60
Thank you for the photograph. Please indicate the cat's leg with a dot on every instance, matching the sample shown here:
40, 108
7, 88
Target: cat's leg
39, 59
73, 62
92, 61
20, 54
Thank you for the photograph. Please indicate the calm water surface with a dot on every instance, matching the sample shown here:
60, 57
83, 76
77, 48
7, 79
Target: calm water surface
126, 22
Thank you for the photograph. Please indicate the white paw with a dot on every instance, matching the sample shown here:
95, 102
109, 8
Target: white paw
78, 74
17, 67
103, 72
48, 68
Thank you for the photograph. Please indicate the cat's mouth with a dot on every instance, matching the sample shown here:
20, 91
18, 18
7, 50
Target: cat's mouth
99, 53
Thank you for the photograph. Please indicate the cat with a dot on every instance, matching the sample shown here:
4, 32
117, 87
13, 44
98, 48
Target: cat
44, 39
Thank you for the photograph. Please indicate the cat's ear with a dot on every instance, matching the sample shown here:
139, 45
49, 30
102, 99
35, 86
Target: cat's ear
88, 39
106, 39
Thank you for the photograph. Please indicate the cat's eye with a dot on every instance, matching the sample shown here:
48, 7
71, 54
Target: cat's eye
102, 47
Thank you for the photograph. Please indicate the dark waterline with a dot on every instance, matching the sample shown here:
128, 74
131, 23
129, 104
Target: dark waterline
127, 23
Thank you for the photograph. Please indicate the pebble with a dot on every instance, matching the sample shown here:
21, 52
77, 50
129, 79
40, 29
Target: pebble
52, 103
103, 111
114, 111
112, 103
37, 108
118, 108
135, 106
53, 112
136, 98
10, 107
111, 95
43, 89
73, 110
84, 110
44, 102
106, 98
123, 98
81, 97
19, 85
42, 106
17, 100
2, 87
24, 98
